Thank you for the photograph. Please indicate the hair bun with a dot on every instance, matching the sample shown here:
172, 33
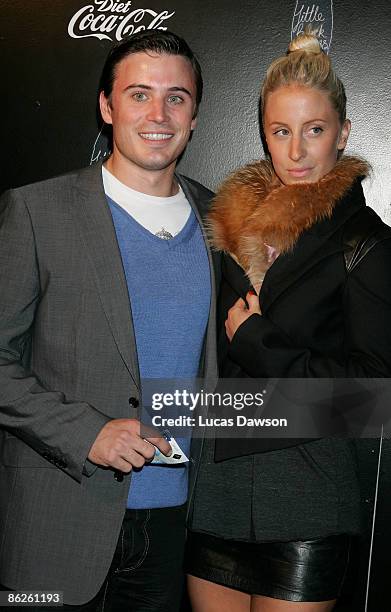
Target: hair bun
305, 42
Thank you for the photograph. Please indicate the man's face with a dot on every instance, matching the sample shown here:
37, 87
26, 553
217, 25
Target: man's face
151, 109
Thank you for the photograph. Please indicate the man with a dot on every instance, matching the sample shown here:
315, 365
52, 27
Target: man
106, 280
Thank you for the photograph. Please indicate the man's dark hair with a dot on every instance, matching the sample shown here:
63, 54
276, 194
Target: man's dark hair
155, 41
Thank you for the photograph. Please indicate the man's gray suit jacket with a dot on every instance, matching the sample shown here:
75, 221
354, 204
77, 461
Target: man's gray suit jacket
68, 364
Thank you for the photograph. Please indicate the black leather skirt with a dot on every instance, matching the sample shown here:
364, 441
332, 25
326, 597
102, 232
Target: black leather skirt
312, 570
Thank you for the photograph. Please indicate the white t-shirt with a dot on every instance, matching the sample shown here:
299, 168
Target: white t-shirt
157, 215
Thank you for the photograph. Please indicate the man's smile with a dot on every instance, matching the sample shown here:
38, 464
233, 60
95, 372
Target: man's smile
155, 136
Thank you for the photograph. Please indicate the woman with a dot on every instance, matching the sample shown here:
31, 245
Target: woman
271, 531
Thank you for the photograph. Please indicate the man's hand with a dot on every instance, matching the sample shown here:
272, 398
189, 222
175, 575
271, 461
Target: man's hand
119, 445
239, 313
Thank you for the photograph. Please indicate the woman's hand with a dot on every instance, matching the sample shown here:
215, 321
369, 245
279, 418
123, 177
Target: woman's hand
239, 313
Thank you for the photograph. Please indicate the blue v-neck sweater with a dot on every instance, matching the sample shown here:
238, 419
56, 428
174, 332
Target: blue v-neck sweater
169, 291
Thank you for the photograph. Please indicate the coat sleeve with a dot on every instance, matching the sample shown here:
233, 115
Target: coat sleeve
59, 430
262, 349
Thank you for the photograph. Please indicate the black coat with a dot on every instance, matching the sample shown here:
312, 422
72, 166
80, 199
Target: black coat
317, 321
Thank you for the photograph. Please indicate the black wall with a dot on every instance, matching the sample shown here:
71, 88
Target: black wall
49, 126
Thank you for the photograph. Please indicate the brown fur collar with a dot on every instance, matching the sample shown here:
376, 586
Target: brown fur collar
253, 209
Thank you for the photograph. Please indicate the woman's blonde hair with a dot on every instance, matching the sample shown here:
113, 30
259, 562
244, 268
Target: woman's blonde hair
305, 64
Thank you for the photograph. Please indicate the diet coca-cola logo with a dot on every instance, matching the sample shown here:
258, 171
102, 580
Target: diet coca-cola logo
107, 19
317, 18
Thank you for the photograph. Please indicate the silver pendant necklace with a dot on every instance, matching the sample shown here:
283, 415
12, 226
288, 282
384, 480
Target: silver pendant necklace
164, 234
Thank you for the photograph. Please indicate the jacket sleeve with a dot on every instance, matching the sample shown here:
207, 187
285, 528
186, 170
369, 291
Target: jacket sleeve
59, 430
262, 349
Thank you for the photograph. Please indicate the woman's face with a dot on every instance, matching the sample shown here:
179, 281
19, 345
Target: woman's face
303, 133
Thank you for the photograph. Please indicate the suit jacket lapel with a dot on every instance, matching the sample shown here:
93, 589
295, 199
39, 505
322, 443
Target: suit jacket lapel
94, 221
200, 205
